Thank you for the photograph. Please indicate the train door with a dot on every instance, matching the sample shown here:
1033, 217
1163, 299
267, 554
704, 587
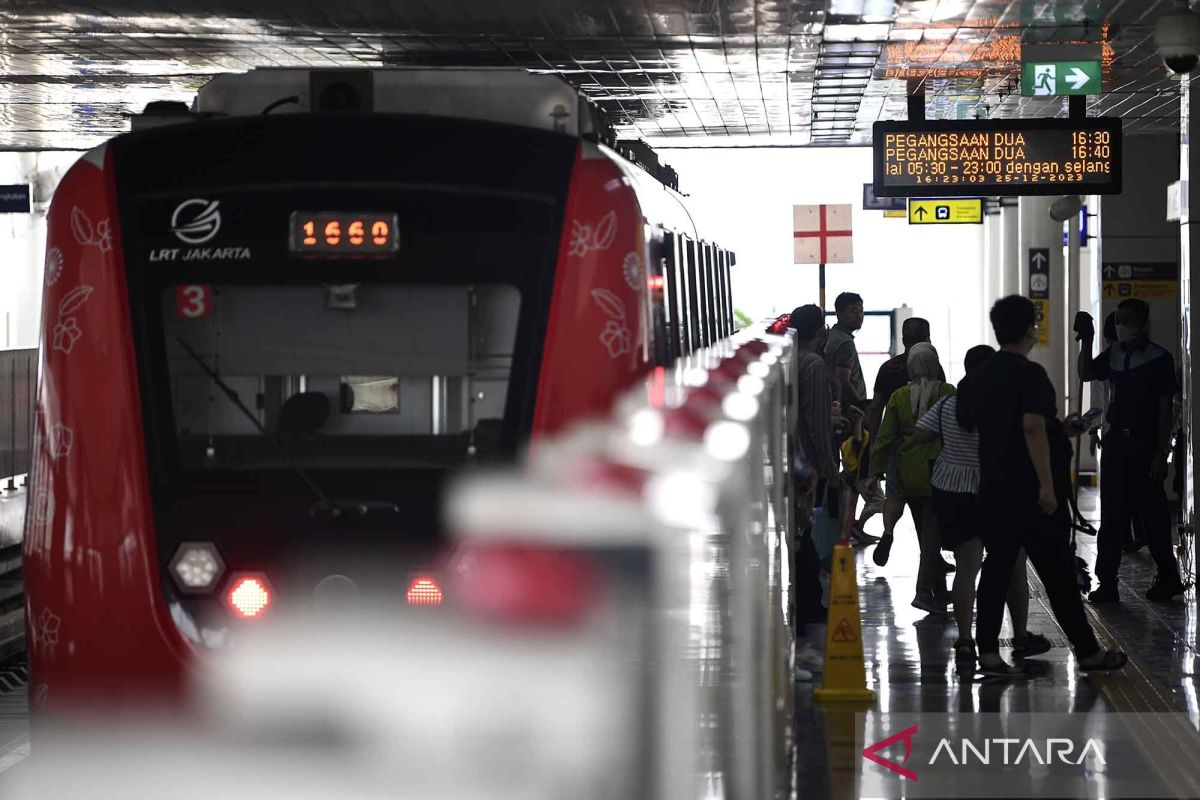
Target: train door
723, 293
876, 341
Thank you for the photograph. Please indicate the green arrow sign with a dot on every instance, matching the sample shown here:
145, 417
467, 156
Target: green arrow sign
1050, 78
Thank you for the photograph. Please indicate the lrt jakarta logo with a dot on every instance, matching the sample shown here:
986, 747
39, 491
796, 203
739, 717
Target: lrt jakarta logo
872, 752
196, 221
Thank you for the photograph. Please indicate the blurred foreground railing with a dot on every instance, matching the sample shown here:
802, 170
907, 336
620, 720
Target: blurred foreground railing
614, 627
690, 477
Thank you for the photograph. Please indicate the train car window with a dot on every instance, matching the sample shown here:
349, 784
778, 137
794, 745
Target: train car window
695, 296
670, 293
413, 375
710, 294
686, 316
722, 300
657, 292
681, 300
730, 261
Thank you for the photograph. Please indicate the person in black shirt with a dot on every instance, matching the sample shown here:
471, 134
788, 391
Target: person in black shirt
1133, 462
1025, 481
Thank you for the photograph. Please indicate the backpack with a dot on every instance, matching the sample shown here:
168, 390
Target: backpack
780, 325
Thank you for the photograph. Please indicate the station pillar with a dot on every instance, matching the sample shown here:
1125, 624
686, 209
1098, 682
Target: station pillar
1043, 279
1189, 270
1010, 264
993, 279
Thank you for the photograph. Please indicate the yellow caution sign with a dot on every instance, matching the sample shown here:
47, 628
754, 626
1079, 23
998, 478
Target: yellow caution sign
845, 670
946, 211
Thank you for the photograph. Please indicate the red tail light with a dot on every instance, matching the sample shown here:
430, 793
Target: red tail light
657, 282
423, 590
249, 596
526, 583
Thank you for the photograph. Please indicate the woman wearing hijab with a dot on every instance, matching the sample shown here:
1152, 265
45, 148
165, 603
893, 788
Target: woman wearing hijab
908, 470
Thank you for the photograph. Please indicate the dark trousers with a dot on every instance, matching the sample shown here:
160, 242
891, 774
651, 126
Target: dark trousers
1126, 491
1047, 542
806, 584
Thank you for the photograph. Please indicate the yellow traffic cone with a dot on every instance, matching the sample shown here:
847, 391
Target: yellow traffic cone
845, 676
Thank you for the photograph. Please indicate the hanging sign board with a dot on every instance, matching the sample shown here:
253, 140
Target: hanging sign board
1145, 280
997, 157
14, 199
1055, 78
873, 203
946, 211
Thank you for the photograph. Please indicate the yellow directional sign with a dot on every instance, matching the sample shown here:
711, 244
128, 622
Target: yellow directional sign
1043, 322
897, 214
1142, 290
1143, 280
946, 211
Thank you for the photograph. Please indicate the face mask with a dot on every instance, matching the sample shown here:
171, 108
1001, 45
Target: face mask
1125, 333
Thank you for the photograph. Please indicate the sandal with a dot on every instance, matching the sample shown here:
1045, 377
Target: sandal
1110, 661
1029, 645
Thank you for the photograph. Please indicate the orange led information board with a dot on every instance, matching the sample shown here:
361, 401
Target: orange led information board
950, 158
337, 233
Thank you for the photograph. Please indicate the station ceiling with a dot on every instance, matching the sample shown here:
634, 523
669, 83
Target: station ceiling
689, 71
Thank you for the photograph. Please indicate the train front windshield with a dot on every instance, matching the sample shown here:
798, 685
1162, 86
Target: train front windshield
359, 376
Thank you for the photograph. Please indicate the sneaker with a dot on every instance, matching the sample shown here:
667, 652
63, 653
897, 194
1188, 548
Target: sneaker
1165, 588
803, 676
1029, 645
810, 658
861, 538
926, 600
1105, 594
883, 550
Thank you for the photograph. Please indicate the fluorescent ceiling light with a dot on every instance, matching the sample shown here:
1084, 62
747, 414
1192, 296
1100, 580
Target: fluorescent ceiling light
864, 10
877, 32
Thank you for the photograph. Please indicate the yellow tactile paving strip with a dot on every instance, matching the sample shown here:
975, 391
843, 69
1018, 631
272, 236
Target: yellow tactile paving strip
1169, 742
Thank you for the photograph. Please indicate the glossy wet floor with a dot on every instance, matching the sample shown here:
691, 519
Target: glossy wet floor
910, 661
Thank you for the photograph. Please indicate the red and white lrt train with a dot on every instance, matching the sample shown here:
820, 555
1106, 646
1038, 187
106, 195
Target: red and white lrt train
275, 324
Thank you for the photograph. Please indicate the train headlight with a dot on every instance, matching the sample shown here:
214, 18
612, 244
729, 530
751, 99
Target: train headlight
249, 595
197, 567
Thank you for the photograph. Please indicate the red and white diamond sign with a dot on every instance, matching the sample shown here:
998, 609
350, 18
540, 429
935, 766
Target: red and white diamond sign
822, 234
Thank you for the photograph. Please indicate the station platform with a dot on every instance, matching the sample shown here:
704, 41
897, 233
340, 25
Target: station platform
910, 666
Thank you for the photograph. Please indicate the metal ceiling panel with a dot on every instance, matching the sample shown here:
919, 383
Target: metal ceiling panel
759, 71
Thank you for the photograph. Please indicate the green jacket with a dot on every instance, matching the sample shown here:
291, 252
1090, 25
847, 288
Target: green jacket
895, 449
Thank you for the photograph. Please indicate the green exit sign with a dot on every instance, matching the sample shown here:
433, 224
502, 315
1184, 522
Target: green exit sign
1050, 78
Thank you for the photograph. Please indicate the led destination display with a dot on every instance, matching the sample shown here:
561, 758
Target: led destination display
997, 157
